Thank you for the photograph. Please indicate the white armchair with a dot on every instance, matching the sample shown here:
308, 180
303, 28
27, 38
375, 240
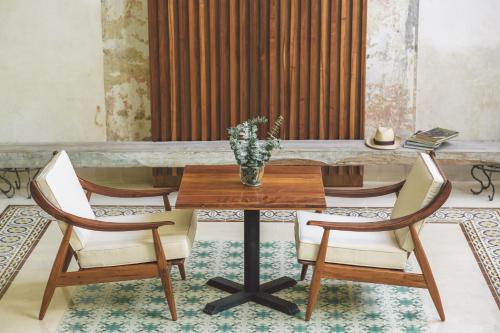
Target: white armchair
110, 248
368, 250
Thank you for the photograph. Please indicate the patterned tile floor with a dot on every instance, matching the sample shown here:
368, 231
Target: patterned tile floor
140, 306
20, 230
456, 271
483, 236
21, 227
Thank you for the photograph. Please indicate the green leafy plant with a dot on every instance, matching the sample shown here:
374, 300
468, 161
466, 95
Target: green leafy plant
248, 150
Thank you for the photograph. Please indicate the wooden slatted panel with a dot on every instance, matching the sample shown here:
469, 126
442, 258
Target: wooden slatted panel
215, 63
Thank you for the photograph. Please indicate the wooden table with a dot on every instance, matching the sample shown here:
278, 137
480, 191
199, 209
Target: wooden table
283, 187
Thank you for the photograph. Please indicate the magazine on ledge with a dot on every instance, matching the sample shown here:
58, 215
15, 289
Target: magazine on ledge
429, 140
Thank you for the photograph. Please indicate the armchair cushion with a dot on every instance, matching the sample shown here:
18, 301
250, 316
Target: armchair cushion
422, 185
372, 249
60, 185
133, 247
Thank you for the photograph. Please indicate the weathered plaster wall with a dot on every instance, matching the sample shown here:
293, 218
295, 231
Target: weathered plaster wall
126, 69
51, 73
459, 67
390, 81
391, 65
53, 78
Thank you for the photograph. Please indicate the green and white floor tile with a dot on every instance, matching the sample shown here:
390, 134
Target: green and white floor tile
140, 306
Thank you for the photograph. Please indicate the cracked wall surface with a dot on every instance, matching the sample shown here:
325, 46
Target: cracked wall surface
126, 69
390, 67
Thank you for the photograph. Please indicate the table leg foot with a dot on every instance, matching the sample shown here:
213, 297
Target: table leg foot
276, 303
225, 285
227, 302
277, 285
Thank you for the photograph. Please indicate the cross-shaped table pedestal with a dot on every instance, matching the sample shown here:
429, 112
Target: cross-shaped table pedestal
284, 187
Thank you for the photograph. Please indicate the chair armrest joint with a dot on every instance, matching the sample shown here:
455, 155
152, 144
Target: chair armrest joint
365, 192
124, 193
390, 224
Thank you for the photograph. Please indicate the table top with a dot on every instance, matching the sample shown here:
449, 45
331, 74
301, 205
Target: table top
283, 187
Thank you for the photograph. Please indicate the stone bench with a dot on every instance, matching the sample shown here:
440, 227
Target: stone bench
181, 153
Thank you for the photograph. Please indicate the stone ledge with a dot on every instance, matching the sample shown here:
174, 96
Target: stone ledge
181, 153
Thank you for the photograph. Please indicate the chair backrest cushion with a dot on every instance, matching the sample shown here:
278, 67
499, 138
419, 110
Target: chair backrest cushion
60, 185
422, 185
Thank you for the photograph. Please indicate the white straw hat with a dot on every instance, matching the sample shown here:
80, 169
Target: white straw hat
384, 139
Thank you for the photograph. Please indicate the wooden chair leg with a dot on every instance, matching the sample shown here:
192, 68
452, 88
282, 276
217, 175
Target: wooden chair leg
303, 272
169, 292
67, 259
313, 292
182, 271
427, 272
164, 270
55, 272
316, 278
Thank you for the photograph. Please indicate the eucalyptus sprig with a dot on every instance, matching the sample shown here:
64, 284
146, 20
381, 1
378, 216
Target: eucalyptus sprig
245, 144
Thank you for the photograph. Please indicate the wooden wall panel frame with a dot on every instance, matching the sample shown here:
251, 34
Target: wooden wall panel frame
215, 63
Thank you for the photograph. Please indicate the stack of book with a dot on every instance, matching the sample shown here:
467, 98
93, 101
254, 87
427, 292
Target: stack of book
429, 140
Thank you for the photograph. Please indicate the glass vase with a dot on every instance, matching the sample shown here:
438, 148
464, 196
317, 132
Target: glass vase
251, 176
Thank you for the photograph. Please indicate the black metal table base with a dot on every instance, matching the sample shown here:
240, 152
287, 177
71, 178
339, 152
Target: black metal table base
251, 289
263, 296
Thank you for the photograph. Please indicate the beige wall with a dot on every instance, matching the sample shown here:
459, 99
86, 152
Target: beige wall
458, 80
79, 69
51, 75
391, 65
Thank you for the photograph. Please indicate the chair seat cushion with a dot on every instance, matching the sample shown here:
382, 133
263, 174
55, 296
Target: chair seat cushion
372, 249
133, 247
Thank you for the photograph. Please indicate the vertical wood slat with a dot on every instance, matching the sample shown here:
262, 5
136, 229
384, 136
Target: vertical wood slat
215, 63
355, 61
284, 65
153, 28
184, 87
333, 110
344, 69
204, 70
293, 115
254, 54
304, 69
244, 62
194, 72
314, 37
354, 82
214, 69
163, 42
362, 68
234, 65
274, 56
264, 59
174, 70
324, 79
224, 66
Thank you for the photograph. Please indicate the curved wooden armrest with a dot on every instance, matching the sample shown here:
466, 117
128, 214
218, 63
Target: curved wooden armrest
365, 192
125, 193
86, 223
98, 225
391, 224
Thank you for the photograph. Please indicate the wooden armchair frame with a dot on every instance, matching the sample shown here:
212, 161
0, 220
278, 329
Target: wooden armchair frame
371, 274
60, 277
